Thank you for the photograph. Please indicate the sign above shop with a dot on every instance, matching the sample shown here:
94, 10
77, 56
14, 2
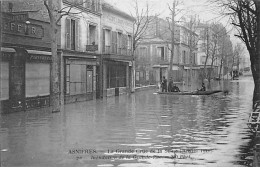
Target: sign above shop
19, 24
39, 58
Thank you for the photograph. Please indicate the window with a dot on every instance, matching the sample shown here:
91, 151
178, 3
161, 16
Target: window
129, 44
106, 41
147, 75
72, 34
119, 43
160, 52
4, 77
137, 75
184, 57
116, 75
79, 79
92, 35
114, 42
143, 52
93, 5
37, 79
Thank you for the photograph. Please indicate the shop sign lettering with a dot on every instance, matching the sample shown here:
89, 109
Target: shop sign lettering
39, 58
23, 29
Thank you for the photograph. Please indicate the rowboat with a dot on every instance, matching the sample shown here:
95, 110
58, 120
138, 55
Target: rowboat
208, 92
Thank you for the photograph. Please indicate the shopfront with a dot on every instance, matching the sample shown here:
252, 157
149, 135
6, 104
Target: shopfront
117, 77
80, 79
25, 62
25, 80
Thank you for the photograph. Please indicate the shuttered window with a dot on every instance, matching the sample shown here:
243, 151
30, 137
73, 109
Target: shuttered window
72, 34
114, 42
4, 77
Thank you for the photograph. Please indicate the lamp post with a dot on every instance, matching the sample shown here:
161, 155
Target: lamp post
27, 27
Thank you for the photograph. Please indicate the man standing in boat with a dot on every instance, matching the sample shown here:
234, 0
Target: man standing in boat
164, 84
170, 85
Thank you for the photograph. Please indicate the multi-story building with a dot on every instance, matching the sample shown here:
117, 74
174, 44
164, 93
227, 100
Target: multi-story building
117, 40
208, 46
94, 48
25, 55
157, 48
81, 49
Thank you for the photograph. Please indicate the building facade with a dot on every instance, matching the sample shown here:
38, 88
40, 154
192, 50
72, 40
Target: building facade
81, 49
25, 55
156, 50
117, 40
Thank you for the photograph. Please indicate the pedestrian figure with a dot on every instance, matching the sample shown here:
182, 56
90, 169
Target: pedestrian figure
164, 84
175, 88
203, 88
170, 85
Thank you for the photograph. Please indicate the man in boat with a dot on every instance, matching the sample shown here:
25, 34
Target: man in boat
170, 85
164, 84
203, 88
175, 88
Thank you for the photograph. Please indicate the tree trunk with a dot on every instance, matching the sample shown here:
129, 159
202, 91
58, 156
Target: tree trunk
256, 65
55, 95
220, 70
55, 65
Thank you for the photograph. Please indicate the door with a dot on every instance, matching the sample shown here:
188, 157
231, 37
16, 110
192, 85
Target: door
17, 80
89, 81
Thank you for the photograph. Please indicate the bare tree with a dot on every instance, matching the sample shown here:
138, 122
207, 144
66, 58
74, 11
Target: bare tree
55, 13
245, 15
143, 17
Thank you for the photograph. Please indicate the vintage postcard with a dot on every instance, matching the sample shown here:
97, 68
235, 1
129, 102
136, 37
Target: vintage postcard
130, 83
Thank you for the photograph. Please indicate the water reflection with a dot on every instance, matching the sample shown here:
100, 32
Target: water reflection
162, 130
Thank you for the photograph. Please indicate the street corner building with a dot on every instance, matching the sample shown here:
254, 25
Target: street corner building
94, 48
25, 56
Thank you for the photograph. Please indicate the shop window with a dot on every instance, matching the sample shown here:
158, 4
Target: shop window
79, 79
4, 76
37, 77
116, 76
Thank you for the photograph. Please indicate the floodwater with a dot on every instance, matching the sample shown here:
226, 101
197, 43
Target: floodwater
141, 129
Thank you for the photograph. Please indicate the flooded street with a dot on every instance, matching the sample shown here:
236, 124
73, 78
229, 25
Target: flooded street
141, 129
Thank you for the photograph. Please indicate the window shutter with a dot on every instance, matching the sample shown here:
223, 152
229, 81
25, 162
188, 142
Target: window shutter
104, 40
96, 34
68, 34
77, 45
114, 41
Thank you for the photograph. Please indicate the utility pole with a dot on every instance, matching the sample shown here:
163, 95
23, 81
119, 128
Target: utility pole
172, 37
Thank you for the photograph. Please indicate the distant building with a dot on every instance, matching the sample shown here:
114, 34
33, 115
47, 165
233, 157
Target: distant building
157, 48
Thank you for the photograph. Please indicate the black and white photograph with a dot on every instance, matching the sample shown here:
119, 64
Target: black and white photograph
130, 83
